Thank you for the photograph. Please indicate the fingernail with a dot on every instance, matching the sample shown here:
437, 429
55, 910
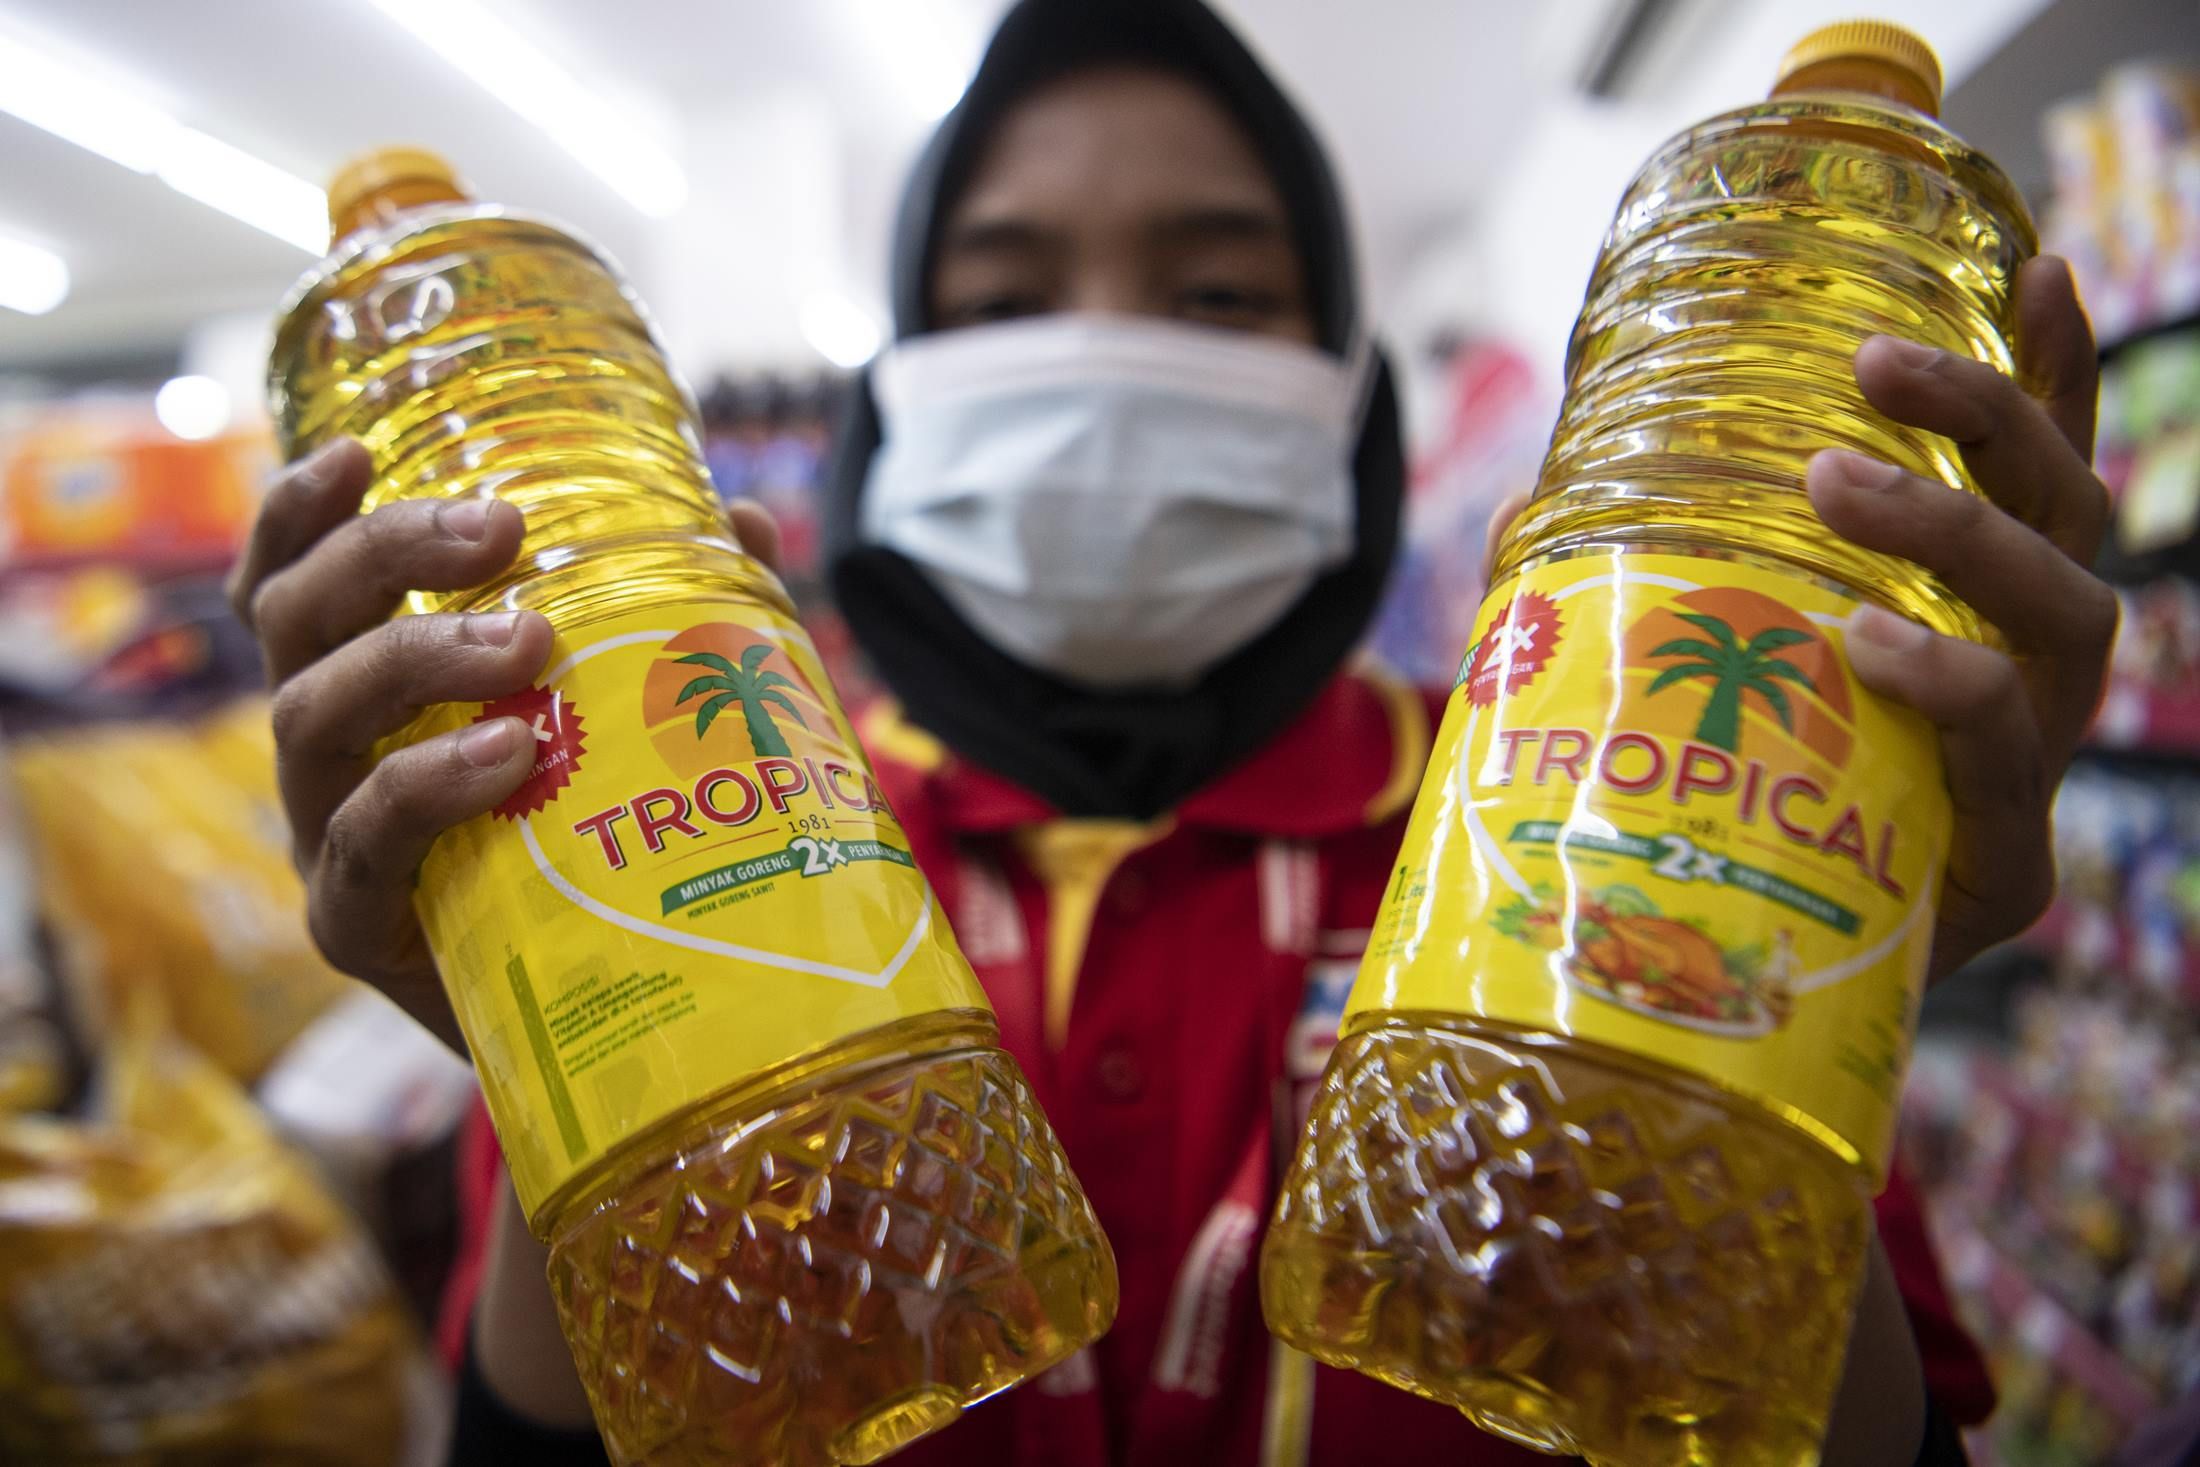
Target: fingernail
1912, 354
487, 745
468, 519
1862, 469
2061, 267
493, 629
319, 467
1882, 628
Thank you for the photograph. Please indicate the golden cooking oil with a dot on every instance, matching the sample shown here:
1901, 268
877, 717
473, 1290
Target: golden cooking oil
1594, 1158
801, 1207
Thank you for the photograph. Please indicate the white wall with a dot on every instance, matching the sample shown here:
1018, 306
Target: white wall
726, 278
1515, 260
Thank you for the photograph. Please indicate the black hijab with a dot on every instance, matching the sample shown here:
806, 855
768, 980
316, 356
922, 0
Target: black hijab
1124, 754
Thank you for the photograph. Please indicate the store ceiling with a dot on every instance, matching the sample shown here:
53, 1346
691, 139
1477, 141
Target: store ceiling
1417, 95
1424, 101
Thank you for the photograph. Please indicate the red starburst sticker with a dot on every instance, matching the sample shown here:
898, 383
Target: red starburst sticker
555, 725
1520, 642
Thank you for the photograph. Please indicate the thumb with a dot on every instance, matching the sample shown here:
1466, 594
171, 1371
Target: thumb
757, 532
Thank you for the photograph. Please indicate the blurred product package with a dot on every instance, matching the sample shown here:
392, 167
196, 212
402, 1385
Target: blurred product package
1489, 424
376, 1101
2064, 1163
176, 1287
162, 864
2126, 164
34, 1071
101, 480
2149, 450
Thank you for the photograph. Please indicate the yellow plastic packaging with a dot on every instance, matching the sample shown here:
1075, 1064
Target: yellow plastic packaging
801, 1207
33, 1065
162, 862
176, 1289
1593, 1160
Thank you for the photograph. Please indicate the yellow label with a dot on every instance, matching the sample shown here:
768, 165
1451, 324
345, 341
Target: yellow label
700, 879
1663, 816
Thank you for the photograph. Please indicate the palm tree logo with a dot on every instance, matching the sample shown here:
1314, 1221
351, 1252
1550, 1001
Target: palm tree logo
751, 685
1734, 668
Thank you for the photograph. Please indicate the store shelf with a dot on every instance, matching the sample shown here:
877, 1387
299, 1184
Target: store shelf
2129, 1177
2144, 723
2048, 1330
2132, 570
149, 563
2170, 326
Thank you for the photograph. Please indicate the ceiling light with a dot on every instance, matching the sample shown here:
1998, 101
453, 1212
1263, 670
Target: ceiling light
192, 407
247, 188
842, 331
70, 105
107, 120
918, 52
501, 60
32, 280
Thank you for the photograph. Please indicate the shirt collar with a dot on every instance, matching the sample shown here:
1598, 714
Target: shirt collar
1354, 758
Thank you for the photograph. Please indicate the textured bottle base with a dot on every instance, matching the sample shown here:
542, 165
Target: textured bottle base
1581, 1252
826, 1273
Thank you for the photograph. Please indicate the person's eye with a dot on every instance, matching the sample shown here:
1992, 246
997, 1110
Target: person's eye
999, 306
1220, 303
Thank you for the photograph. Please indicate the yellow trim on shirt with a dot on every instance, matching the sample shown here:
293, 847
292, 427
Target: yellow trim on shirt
1287, 1422
1410, 743
1073, 859
885, 732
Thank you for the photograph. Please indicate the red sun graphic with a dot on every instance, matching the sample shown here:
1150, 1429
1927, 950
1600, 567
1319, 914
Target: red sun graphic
555, 726
1521, 641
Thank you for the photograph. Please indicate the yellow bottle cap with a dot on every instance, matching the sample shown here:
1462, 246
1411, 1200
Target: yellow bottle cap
1864, 56
375, 186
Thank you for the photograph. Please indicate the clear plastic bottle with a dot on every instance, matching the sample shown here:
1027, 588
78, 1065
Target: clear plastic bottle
1594, 1159
801, 1208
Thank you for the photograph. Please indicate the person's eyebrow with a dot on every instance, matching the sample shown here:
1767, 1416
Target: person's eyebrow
993, 237
1220, 223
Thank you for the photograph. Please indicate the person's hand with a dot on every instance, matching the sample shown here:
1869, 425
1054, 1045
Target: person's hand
2009, 724
316, 584
2009, 721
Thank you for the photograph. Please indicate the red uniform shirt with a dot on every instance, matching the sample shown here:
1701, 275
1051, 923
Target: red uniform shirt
1172, 990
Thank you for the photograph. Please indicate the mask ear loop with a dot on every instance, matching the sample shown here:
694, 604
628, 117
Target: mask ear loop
1359, 366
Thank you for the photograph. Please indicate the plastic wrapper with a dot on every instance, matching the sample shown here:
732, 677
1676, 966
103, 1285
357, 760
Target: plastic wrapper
162, 863
175, 1288
33, 1062
34, 1069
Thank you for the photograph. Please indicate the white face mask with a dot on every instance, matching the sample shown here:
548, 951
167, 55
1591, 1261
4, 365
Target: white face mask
1120, 502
